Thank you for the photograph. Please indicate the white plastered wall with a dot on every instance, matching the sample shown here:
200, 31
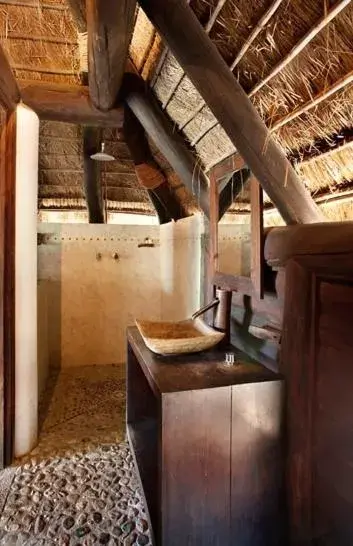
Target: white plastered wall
26, 373
92, 301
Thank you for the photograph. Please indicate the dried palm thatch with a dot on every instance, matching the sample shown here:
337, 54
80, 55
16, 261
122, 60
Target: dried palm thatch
330, 171
326, 59
41, 42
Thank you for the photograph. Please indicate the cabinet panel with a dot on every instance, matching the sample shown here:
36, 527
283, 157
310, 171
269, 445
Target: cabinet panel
196, 467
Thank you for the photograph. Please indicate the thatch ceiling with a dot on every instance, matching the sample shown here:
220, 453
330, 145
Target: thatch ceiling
42, 43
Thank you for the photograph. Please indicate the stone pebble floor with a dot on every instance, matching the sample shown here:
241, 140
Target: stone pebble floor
77, 487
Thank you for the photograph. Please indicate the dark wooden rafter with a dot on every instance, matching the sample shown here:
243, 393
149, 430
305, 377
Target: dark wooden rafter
161, 130
67, 103
109, 26
295, 51
9, 91
91, 179
148, 172
211, 76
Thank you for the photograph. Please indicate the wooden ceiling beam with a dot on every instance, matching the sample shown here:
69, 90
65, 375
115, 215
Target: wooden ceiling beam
162, 132
225, 97
148, 172
110, 26
68, 103
9, 91
171, 145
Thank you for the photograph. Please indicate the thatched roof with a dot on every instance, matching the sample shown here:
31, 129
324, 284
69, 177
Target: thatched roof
42, 42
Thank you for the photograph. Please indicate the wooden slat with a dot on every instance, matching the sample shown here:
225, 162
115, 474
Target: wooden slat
7, 286
35, 5
299, 46
67, 103
109, 27
257, 237
9, 92
223, 94
260, 25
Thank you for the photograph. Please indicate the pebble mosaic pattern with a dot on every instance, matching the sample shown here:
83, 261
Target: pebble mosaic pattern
84, 491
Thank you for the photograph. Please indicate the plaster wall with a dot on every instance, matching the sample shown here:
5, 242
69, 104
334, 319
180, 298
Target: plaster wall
234, 249
89, 298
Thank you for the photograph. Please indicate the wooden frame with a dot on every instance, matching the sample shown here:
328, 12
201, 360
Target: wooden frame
300, 349
255, 284
7, 286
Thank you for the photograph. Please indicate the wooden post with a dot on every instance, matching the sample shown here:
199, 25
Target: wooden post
91, 181
109, 26
70, 103
9, 92
204, 65
257, 237
7, 284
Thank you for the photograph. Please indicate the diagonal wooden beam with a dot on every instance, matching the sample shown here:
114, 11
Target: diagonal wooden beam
232, 107
210, 24
68, 103
260, 25
9, 91
109, 26
148, 172
232, 189
298, 48
161, 130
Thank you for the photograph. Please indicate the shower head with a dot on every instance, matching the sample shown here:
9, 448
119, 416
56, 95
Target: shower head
102, 156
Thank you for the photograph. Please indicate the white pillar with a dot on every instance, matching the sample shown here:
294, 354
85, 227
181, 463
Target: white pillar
26, 382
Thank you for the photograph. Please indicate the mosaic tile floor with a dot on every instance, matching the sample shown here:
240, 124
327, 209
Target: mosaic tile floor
78, 487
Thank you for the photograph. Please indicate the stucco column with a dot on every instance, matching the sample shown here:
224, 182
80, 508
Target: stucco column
26, 381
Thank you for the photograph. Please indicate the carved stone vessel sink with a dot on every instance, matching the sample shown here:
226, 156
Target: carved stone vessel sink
188, 336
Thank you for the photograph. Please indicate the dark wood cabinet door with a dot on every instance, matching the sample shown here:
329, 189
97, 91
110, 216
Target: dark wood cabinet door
317, 359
